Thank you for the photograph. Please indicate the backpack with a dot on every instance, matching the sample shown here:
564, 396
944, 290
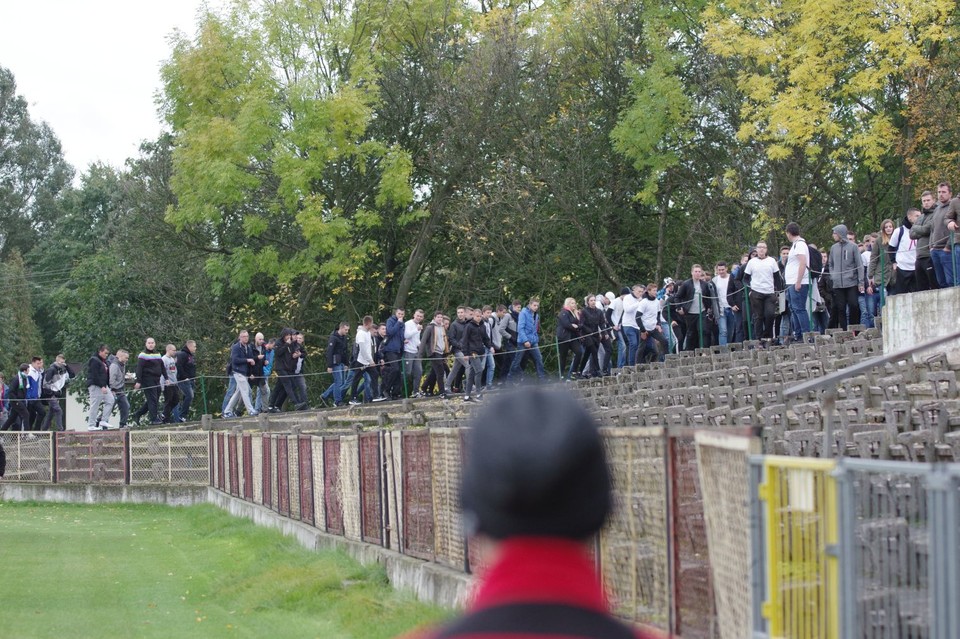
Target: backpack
814, 261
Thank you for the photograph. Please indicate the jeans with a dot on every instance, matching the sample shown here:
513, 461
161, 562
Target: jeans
867, 304
723, 325
54, 419
799, 319
124, 405
943, 266
263, 394
339, 383
534, 352
621, 348
187, 392
735, 326
474, 372
413, 371
491, 369
231, 389
632, 336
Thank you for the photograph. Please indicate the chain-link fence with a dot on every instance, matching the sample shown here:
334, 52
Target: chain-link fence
29, 456
169, 457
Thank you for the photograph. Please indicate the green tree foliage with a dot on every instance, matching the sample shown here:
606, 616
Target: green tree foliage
19, 334
32, 172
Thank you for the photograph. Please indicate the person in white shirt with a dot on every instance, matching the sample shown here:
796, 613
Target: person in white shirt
413, 367
721, 280
654, 344
762, 275
364, 365
616, 325
796, 279
629, 323
905, 258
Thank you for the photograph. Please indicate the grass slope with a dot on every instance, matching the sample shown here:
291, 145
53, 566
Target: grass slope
154, 571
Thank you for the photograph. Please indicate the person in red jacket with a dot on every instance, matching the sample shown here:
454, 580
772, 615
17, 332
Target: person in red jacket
535, 489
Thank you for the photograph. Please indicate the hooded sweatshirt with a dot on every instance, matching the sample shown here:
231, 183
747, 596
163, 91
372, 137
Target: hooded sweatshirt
921, 232
846, 267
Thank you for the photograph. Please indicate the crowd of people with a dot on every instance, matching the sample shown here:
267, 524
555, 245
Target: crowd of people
757, 297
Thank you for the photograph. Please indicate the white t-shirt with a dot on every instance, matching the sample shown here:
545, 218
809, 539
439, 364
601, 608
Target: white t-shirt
630, 304
411, 337
616, 311
793, 262
906, 249
364, 347
648, 310
761, 274
720, 283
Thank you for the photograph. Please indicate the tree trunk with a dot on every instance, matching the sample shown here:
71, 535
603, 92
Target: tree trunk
418, 255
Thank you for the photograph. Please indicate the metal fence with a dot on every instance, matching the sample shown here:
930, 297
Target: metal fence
91, 458
796, 584
169, 457
900, 545
29, 456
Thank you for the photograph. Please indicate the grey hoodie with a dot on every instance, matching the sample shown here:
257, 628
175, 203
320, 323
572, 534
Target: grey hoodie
118, 373
846, 267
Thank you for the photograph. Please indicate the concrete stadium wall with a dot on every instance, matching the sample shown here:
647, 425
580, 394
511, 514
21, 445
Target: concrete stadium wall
912, 319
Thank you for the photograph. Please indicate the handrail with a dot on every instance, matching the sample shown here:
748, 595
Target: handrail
830, 380
828, 383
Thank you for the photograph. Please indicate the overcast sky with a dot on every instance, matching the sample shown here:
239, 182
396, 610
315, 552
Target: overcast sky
91, 68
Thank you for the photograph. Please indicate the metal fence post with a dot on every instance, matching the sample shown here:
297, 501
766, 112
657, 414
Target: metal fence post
944, 511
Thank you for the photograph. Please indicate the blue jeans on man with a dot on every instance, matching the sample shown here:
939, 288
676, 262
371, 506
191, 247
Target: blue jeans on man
621, 348
944, 267
868, 308
187, 392
724, 326
534, 351
797, 301
231, 389
339, 386
632, 336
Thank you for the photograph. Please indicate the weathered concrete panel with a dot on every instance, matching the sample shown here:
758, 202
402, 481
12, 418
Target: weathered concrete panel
915, 318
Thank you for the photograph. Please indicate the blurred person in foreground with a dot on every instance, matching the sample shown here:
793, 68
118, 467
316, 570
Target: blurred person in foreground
535, 490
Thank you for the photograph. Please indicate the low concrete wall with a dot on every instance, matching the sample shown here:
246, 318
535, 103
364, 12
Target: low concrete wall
428, 581
104, 494
911, 319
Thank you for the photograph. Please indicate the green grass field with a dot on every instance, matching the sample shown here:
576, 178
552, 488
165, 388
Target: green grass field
71, 571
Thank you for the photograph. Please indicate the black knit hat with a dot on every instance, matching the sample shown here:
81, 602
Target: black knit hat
535, 466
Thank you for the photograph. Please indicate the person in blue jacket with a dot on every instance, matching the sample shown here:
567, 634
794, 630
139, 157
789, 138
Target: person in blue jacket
528, 339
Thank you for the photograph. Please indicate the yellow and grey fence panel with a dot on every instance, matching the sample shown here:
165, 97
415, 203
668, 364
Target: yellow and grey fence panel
796, 501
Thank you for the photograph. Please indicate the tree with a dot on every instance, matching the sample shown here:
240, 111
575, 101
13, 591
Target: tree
32, 172
18, 331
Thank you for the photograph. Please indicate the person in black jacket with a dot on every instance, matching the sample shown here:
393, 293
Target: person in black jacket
568, 338
338, 359
475, 344
55, 379
288, 352
18, 404
149, 372
695, 299
593, 325
98, 384
186, 376
454, 336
